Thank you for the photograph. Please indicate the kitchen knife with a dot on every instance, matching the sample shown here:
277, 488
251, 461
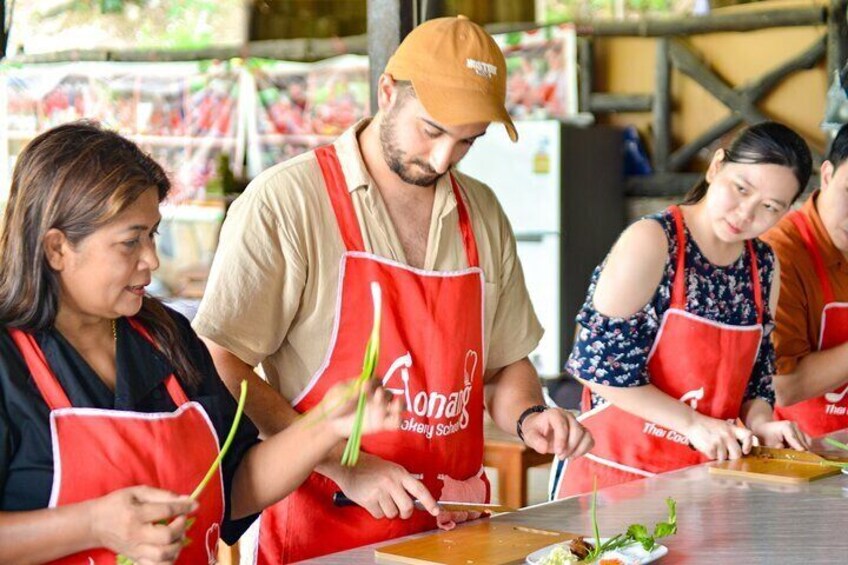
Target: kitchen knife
339, 499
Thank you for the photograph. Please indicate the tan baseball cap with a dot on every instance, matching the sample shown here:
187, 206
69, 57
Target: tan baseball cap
457, 70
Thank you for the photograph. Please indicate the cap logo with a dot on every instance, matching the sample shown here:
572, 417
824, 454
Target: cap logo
482, 69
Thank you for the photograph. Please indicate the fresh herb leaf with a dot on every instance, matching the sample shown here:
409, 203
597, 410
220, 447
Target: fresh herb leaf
636, 533
669, 528
639, 533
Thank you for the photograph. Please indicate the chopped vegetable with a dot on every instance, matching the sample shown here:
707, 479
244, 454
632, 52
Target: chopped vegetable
559, 555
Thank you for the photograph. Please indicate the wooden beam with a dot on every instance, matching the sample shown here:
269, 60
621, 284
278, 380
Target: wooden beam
685, 154
605, 102
690, 65
307, 49
752, 91
806, 60
688, 25
661, 184
284, 49
662, 106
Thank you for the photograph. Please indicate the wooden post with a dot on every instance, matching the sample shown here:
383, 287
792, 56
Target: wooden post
837, 37
662, 106
585, 53
388, 23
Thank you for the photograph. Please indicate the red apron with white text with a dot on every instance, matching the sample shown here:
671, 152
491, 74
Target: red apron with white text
98, 451
829, 412
431, 353
703, 363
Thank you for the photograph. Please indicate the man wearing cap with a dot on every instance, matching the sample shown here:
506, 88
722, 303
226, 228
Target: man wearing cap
811, 325
382, 210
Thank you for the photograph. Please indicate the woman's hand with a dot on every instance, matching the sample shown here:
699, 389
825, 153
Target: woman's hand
782, 433
719, 439
127, 522
382, 410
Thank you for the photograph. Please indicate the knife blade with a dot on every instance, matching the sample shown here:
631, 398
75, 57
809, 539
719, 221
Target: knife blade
786, 454
340, 499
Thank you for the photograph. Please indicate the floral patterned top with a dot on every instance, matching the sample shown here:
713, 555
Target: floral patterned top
614, 351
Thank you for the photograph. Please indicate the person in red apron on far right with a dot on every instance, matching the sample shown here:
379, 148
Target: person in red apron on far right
672, 344
811, 384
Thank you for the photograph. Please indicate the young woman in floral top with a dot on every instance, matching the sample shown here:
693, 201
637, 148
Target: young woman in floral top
673, 340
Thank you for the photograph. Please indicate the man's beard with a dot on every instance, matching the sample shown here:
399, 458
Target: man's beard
395, 157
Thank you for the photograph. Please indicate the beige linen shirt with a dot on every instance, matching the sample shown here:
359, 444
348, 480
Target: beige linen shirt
272, 291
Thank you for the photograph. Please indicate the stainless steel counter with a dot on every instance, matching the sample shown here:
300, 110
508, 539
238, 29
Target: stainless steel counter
721, 520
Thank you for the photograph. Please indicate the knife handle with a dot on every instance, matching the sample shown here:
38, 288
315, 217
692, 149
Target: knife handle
341, 500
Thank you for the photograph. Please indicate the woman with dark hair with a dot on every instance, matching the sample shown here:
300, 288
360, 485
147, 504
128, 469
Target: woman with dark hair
672, 344
111, 411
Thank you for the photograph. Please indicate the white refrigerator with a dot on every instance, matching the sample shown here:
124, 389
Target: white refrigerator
562, 190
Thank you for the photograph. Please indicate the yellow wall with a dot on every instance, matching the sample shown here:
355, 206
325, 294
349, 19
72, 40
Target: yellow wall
627, 65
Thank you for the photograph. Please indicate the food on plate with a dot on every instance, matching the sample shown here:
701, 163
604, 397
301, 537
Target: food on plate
605, 551
559, 555
580, 547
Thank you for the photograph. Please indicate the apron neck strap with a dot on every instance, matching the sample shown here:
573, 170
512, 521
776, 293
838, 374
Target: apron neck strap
803, 225
47, 384
334, 179
331, 170
678, 289
755, 280
465, 225
173, 387
678, 292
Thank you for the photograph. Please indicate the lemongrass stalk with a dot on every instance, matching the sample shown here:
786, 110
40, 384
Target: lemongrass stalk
836, 443
227, 443
369, 364
833, 464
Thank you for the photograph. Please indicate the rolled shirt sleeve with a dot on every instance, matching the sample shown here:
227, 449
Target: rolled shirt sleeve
256, 280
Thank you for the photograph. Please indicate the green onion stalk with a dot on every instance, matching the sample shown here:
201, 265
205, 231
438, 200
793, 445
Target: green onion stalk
840, 445
124, 560
636, 533
369, 365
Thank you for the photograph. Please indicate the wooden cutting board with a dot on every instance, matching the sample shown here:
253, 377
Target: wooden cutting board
485, 543
775, 470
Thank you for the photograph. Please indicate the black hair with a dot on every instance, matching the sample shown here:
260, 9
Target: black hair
839, 148
766, 143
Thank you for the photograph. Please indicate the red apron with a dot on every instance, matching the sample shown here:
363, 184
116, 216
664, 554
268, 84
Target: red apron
98, 451
431, 351
829, 412
698, 361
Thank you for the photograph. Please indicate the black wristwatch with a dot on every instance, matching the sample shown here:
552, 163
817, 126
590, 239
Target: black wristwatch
532, 410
